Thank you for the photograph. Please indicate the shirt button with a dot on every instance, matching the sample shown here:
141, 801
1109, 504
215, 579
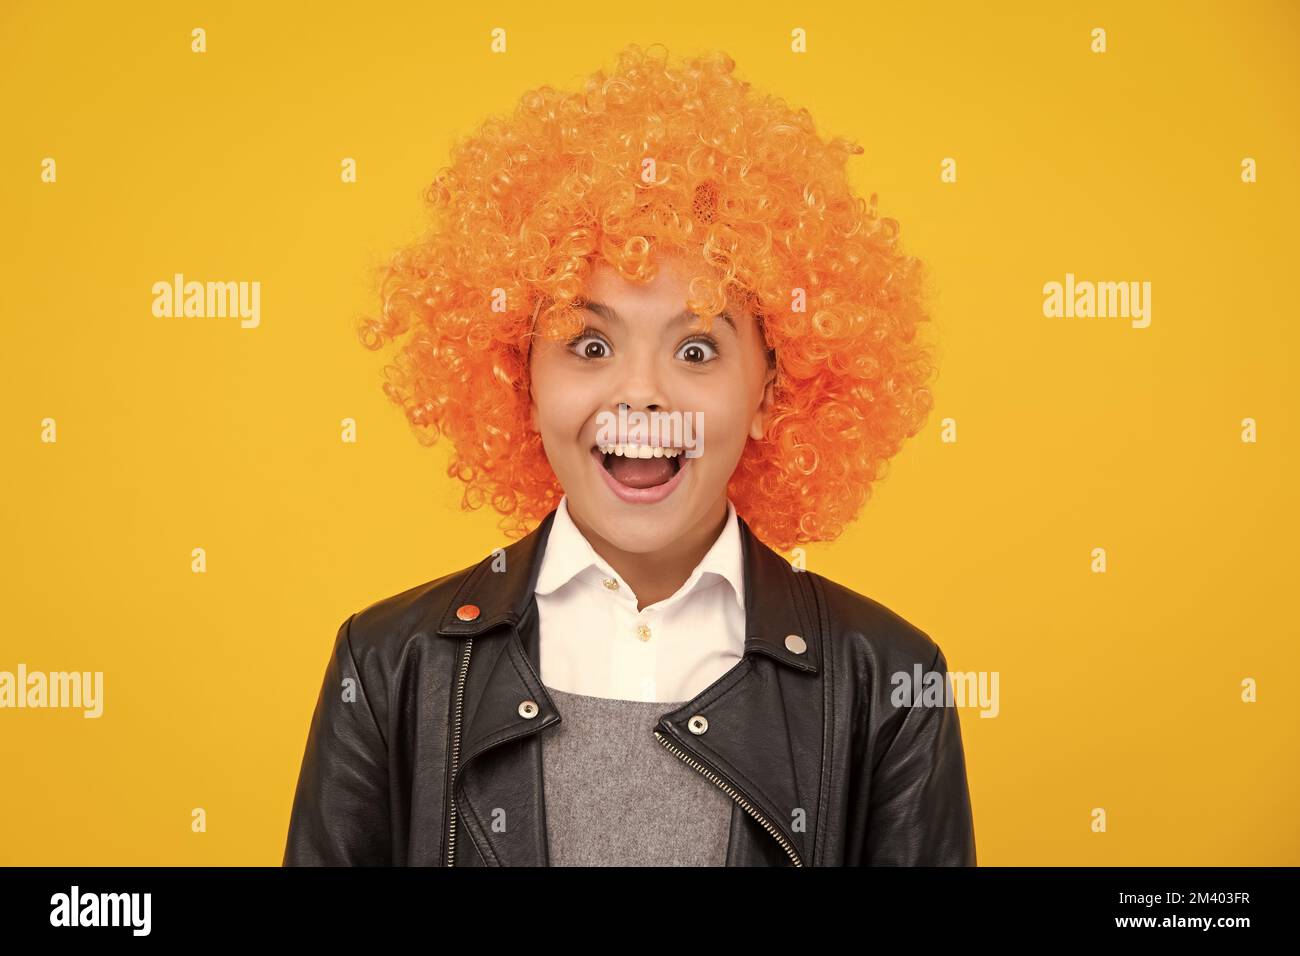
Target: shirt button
611, 584
643, 632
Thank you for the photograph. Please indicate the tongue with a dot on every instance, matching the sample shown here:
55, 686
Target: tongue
640, 472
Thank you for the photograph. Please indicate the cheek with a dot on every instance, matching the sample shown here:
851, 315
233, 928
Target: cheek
725, 428
560, 404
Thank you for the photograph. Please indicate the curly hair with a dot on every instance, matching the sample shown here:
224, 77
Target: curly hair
656, 158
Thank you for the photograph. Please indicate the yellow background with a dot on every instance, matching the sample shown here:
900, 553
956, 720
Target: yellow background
1119, 690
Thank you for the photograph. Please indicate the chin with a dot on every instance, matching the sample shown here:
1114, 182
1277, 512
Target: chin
641, 533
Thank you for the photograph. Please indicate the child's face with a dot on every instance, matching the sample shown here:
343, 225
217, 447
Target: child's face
653, 360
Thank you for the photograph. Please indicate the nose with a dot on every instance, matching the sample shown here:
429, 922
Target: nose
640, 389
624, 406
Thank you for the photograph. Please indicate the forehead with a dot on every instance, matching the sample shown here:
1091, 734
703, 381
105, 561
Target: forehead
670, 284
662, 298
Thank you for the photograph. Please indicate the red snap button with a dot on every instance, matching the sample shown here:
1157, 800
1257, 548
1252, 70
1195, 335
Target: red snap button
467, 612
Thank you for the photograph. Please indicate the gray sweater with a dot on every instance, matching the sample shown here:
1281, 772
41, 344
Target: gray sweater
616, 797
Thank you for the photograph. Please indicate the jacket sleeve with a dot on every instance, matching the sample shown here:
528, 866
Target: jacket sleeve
340, 809
920, 813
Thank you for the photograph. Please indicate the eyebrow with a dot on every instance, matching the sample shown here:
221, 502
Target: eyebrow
607, 312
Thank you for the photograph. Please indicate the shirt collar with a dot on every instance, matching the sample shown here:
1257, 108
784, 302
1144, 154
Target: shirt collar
569, 555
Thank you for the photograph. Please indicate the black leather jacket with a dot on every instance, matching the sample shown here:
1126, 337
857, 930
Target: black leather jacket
428, 729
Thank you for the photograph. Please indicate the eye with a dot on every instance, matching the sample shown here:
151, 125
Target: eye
699, 351
595, 348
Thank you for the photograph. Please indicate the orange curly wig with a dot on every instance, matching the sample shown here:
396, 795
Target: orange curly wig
739, 184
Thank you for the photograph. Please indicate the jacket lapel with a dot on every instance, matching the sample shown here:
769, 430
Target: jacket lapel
497, 792
759, 714
762, 716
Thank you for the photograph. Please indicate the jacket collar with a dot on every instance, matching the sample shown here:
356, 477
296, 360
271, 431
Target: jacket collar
759, 713
501, 588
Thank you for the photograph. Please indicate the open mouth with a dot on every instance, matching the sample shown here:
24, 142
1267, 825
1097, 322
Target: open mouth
639, 471
641, 474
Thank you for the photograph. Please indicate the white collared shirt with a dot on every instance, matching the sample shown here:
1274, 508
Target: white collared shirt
592, 639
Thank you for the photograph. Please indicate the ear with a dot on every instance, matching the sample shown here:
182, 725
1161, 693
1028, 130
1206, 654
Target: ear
756, 426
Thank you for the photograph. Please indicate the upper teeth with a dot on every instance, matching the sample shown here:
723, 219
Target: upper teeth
639, 451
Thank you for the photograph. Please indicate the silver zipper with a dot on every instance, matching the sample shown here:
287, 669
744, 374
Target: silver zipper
455, 750
734, 794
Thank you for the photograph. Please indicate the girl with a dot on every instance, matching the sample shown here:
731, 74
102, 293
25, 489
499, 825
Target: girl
663, 337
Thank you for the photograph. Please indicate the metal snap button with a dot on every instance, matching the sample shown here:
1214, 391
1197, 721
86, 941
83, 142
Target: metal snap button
467, 612
795, 644
611, 584
697, 724
643, 632
528, 709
